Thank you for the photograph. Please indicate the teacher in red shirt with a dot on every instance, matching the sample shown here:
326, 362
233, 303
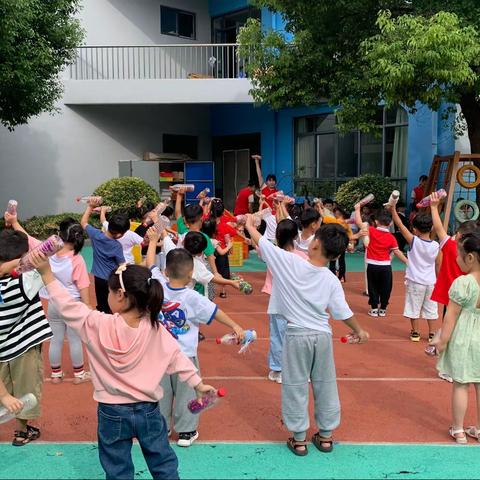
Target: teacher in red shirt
269, 187
244, 201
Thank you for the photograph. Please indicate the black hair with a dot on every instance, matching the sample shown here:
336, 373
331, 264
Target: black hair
342, 212
467, 227
144, 209
251, 183
309, 215
286, 233
470, 243
209, 227
271, 176
13, 244
195, 242
383, 217
118, 223
328, 200
333, 239
168, 212
192, 213
143, 292
422, 178
179, 263
218, 208
401, 204
72, 232
295, 211
422, 222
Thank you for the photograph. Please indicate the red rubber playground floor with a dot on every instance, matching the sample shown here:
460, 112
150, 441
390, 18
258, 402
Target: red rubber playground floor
395, 411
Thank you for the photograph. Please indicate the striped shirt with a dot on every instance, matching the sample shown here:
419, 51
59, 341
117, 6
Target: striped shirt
22, 320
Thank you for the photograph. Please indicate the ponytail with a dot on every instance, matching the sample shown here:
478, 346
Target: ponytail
71, 231
143, 292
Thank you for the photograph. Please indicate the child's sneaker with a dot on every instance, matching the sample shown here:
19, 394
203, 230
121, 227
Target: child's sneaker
82, 378
382, 312
445, 377
185, 439
275, 376
430, 336
414, 336
373, 312
56, 377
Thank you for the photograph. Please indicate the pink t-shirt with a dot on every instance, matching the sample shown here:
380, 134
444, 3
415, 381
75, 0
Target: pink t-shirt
267, 287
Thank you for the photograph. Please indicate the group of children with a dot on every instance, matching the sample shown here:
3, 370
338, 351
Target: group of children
151, 314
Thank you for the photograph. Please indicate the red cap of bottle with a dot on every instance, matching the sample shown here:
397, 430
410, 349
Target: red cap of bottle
344, 339
218, 341
221, 392
14, 273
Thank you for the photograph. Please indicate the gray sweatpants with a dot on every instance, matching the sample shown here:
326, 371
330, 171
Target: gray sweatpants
308, 354
173, 404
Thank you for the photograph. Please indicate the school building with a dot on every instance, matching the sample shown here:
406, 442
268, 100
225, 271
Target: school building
163, 76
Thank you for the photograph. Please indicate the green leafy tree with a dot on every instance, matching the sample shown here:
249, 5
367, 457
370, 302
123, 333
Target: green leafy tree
355, 54
37, 40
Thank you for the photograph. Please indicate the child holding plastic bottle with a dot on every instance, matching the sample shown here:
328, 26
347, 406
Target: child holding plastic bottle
70, 270
184, 310
307, 349
123, 348
459, 341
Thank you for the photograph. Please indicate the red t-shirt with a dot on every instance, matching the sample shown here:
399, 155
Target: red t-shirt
382, 242
241, 204
223, 229
419, 193
449, 271
267, 191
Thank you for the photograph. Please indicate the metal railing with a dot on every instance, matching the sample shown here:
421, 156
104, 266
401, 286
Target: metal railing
158, 62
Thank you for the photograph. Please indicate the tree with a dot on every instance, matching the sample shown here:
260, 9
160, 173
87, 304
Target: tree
37, 40
356, 54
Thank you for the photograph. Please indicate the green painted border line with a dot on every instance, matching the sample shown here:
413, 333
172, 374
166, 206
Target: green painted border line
254, 461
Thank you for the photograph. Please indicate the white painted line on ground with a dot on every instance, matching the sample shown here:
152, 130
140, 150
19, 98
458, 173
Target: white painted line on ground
343, 379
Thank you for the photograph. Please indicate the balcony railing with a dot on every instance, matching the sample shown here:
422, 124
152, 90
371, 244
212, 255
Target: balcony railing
215, 61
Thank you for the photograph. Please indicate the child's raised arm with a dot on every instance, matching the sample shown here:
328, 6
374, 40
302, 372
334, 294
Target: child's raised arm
406, 233
437, 221
257, 159
103, 214
86, 216
255, 235
358, 215
153, 237
178, 203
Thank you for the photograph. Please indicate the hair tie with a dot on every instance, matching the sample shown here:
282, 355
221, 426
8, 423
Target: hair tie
149, 281
121, 268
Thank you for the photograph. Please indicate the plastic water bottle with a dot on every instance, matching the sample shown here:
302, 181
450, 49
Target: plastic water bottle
350, 338
208, 401
393, 200
425, 202
203, 193
431, 350
232, 339
366, 200
92, 200
241, 219
161, 223
49, 247
189, 187
11, 209
99, 209
29, 401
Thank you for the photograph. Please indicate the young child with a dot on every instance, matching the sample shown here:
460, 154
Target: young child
308, 348
107, 253
70, 270
379, 264
23, 329
420, 275
128, 240
447, 267
341, 216
183, 311
310, 220
287, 232
459, 342
123, 348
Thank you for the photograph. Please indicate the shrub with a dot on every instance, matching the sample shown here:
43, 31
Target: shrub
123, 194
354, 190
44, 226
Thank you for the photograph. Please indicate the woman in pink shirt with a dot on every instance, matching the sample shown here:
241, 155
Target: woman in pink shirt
129, 353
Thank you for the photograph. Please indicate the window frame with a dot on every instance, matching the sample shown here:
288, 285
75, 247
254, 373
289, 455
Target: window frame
177, 11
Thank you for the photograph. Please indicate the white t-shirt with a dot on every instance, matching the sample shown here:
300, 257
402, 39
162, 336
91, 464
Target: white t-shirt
183, 311
421, 261
302, 244
303, 293
271, 223
127, 241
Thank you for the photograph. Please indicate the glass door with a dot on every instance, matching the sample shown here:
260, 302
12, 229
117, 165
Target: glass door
236, 173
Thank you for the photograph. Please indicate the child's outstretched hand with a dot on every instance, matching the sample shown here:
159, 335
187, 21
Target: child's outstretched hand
153, 235
9, 219
363, 336
239, 332
434, 199
438, 344
40, 262
201, 389
12, 404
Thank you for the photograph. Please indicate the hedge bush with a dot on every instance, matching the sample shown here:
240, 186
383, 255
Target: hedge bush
354, 190
123, 194
43, 226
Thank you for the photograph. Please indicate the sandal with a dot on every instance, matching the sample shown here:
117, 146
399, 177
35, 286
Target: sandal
473, 432
293, 445
21, 438
223, 295
320, 442
459, 440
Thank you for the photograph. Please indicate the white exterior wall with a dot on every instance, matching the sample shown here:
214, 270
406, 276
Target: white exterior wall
46, 164
137, 22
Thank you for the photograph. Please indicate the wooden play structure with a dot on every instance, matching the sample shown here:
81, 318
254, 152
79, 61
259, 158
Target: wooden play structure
459, 176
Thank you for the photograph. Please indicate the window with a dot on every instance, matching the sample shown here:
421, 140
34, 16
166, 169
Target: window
324, 158
184, 144
177, 23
